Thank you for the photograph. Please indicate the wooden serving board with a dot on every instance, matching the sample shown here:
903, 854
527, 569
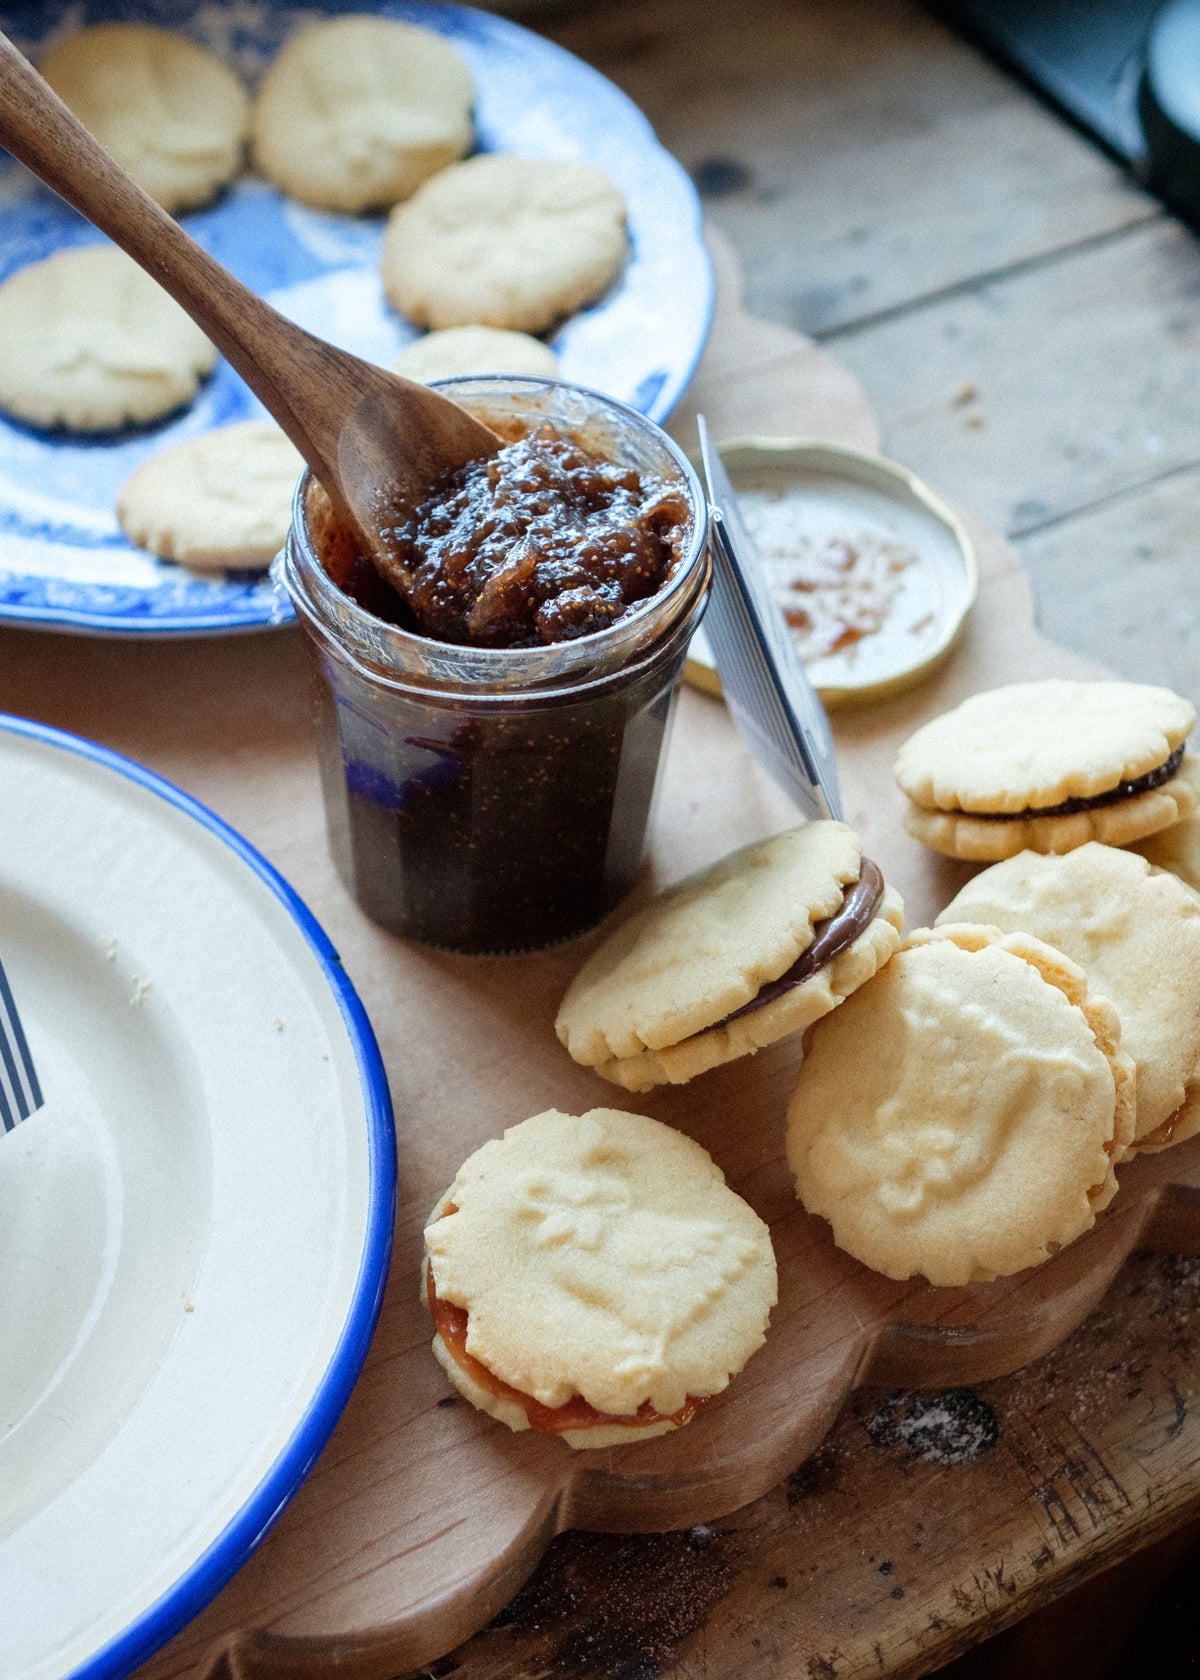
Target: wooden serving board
423, 1517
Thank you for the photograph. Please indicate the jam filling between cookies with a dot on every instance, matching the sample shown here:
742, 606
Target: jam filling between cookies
831, 937
576, 1413
1112, 796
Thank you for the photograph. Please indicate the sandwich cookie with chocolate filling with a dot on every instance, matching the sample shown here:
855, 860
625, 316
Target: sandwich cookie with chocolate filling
594, 1277
1048, 766
759, 945
1135, 931
958, 1119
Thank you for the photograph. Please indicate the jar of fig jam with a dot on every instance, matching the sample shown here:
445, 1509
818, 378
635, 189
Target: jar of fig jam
493, 798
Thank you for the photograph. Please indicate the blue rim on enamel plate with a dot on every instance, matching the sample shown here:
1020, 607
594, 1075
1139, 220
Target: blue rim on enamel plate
195, 1228
64, 563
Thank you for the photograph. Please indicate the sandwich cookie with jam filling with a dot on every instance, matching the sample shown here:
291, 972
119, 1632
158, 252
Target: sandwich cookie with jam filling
1048, 766
594, 1277
1135, 931
759, 945
979, 1134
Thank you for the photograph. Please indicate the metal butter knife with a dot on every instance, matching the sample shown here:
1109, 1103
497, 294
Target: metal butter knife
774, 706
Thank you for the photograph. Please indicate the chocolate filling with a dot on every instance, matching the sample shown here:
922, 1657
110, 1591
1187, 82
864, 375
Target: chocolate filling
830, 938
1123, 790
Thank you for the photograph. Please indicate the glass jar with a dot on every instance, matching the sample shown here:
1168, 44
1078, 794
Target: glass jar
497, 799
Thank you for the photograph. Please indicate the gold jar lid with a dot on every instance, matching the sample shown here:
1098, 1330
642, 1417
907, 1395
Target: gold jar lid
873, 571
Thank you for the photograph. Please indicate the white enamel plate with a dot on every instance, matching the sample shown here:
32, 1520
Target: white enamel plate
195, 1228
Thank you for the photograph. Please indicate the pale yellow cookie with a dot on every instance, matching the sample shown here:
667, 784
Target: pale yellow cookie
990, 778
89, 341
505, 241
222, 499
1176, 849
600, 1258
356, 111
170, 112
1136, 934
651, 1004
458, 351
959, 1116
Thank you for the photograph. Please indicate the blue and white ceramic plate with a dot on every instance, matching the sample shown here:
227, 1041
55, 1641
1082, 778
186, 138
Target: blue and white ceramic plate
195, 1228
64, 563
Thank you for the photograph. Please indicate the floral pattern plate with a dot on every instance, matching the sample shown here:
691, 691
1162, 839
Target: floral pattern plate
64, 563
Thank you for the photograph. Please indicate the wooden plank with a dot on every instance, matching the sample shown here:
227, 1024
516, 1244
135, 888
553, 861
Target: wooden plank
842, 140
1133, 561
1046, 391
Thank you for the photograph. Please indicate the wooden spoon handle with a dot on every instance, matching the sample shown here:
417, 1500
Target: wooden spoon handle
278, 360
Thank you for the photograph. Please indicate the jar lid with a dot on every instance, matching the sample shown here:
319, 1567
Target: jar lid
872, 571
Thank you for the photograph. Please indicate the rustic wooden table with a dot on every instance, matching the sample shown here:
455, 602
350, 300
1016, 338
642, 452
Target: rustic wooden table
1026, 323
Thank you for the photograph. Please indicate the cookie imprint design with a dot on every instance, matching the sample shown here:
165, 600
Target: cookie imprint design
915, 1164
628, 1250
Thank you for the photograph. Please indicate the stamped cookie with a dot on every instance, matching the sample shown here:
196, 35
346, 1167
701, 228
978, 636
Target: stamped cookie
1136, 933
222, 499
90, 342
355, 112
171, 113
457, 351
1048, 766
505, 241
958, 1118
758, 946
594, 1277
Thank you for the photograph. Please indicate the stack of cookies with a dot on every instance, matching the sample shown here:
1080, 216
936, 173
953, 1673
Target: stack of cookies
1048, 1028
965, 1098
594, 1277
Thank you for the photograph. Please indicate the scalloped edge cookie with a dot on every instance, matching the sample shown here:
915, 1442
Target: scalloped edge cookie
601, 1258
1135, 931
652, 1004
977, 839
986, 780
987, 1225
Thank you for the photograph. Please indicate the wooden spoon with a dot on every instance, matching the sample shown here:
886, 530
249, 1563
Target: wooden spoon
374, 440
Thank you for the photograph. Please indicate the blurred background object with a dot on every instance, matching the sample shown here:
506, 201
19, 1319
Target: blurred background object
1127, 72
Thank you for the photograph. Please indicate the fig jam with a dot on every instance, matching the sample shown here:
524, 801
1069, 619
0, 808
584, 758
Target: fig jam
490, 736
542, 542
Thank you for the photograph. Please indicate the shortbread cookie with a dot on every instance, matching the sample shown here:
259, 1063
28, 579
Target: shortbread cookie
221, 499
89, 341
504, 241
760, 945
170, 112
458, 351
1136, 933
1048, 766
958, 1118
357, 111
594, 1277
